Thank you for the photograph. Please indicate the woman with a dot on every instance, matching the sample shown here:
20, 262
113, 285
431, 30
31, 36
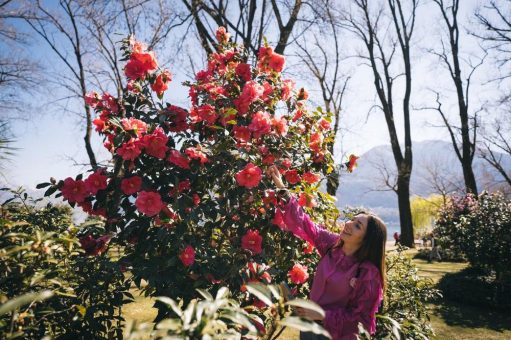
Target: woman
350, 279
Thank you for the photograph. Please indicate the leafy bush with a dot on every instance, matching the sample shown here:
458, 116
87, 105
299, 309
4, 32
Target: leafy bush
86, 292
450, 232
223, 317
475, 286
480, 230
404, 309
187, 197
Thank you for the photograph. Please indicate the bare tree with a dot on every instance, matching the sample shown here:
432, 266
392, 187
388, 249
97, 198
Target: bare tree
63, 33
84, 36
325, 66
250, 21
18, 74
464, 135
495, 19
496, 146
381, 55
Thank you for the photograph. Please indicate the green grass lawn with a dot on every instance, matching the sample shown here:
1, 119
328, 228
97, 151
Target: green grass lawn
450, 320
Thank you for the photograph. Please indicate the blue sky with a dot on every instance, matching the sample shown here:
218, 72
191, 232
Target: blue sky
50, 136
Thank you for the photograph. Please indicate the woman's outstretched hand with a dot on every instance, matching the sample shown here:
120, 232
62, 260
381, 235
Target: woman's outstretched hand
274, 174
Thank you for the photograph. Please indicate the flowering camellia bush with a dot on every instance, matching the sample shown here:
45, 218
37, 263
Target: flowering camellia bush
186, 193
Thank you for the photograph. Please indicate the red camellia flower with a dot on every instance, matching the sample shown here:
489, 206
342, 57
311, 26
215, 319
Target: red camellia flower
130, 150
269, 160
298, 274
307, 200
325, 124
161, 83
252, 91
74, 191
278, 219
99, 123
280, 126
352, 163
178, 159
196, 200
131, 185
244, 71
187, 256
250, 176
140, 64
207, 113
310, 177
155, 144
195, 153
315, 141
288, 86
221, 35
252, 241
149, 203
135, 125
260, 124
241, 133
276, 62
308, 248
286, 162
177, 117
269, 60
184, 185
92, 99
292, 176
95, 182
94, 246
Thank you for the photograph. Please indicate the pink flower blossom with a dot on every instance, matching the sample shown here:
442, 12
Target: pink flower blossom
298, 274
155, 144
178, 159
250, 176
131, 185
187, 256
130, 150
95, 182
149, 203
74, 191
260, 124
252, 241
135, 125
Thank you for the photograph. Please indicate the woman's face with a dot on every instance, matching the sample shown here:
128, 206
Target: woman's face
355, 230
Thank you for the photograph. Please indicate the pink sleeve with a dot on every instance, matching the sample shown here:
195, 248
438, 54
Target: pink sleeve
300, 224
363, 306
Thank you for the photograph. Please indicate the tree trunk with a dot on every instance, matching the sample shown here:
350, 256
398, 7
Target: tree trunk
469, 177
332, 182
405, 211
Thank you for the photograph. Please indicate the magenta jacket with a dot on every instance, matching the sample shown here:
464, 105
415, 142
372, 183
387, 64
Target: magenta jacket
346, 298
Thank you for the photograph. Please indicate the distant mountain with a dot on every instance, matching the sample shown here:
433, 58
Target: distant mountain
435, 165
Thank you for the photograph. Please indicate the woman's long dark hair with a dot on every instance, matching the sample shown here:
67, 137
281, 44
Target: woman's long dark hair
373, 246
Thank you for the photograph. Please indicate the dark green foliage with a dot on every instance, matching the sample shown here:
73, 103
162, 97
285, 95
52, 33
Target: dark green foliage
39, 251
475, 286
404, 308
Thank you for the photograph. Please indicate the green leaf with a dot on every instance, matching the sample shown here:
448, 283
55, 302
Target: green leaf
42, 185
205, 294
50, 190
260, 291
171, 303
304, 325
239, 318
307, 304
223, 292
25, 299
